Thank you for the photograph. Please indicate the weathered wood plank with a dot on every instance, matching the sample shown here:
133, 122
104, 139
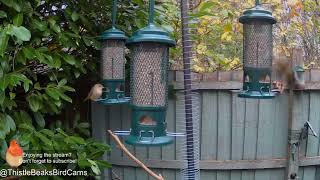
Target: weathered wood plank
100, 124
223, 165
265, 129
209, 126
180, 125
128, 172
169, 152
280, 133
208, 175
232, 85
250, 136
142, 154
238, 115
115, 124
312, 142
209, 131
224, 131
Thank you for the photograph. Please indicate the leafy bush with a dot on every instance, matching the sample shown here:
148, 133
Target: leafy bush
46, 46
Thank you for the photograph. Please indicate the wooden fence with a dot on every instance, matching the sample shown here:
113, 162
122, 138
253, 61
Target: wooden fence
240, 139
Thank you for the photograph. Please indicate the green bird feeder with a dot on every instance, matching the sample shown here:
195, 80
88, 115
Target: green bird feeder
149, 84
257, 53
113, 63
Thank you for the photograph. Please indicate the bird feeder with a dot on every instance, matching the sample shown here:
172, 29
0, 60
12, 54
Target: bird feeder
113, 63
257, 52
149, 84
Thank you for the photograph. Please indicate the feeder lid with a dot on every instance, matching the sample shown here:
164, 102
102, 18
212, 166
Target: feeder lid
114, 34
257, 13
151, 33
298, 69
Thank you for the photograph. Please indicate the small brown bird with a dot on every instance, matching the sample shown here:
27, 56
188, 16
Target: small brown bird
95, 92
146, 120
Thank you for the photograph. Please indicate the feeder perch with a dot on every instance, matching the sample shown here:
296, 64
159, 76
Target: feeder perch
113, 63
299, 72
257, 52
149, 84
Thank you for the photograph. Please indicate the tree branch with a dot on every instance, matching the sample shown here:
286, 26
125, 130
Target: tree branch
132, 157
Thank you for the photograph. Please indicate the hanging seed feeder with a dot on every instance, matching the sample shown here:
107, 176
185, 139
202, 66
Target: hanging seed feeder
149, 82
257, 52
113, 63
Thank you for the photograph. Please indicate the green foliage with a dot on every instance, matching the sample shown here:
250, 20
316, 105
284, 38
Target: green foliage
45, 47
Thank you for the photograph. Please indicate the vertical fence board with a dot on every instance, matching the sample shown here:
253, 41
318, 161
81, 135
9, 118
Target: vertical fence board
209, 131
280, 133
169, 152
300, 116
250, 136
115, 124
128, 172
312, 142
238, 111
264, 142
141, 154
180, 124
224, 131
100, 124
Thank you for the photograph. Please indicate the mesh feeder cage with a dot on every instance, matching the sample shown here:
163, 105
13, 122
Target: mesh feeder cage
113, 63
257, 53
149, 79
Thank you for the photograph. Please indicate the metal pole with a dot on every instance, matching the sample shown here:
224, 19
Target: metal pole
187, 50
151, 12
114, 13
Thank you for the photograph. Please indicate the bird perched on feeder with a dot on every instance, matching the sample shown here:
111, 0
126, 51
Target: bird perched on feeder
95, 92
14, 154
288, 75
146, 120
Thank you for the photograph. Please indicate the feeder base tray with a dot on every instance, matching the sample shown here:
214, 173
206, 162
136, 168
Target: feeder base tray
257, 94
114, 101
149, 141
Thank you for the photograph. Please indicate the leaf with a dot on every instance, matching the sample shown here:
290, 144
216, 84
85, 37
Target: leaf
4, 38
62, 82
83, 163
39, 119
3, 14
70, 59
4, 82
29, 52
3, 149
65, 97
227, 27
47, 132
13, 4
18, 19
53, 93
21, 33
75, 16
11, 123
94, 167
206, 5
68, 88
75, 140
103, 164
44, 139
26, 126
83, 125
40, 25
2, 96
